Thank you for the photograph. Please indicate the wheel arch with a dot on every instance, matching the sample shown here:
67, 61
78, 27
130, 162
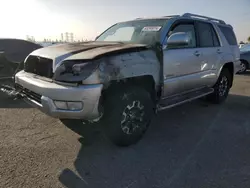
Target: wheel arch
230, 67
146, 81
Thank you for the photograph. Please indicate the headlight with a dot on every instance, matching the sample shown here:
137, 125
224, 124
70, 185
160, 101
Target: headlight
75, 71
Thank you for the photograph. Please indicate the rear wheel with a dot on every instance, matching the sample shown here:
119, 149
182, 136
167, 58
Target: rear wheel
221, 88
127, 114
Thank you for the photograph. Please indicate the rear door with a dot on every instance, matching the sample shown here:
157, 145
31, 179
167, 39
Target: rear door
210, 52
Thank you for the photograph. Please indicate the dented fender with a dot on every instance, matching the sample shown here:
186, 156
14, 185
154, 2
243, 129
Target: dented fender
127, 65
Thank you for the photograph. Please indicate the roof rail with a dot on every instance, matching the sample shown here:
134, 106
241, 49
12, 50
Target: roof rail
171, 16
162, 17
190, 15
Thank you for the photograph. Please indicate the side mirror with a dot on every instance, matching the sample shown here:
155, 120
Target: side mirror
179, 39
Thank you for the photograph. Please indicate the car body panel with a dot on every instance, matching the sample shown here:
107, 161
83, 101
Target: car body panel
181, 72
127, 65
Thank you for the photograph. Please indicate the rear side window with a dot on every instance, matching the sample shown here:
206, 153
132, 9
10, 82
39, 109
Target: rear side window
229, 34
205, 34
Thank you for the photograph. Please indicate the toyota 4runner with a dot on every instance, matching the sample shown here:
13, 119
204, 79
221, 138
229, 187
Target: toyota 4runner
132, 70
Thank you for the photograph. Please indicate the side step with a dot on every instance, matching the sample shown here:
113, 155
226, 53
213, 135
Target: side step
181, 99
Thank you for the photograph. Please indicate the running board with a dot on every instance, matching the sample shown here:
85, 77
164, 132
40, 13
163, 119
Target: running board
181, 99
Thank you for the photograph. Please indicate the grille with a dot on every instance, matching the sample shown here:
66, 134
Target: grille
39, 65
30, 94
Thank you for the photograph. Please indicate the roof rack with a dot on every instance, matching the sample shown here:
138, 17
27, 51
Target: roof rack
162, 17
171, 16
190, 15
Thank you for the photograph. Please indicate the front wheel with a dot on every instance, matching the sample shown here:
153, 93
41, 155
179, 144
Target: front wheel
221, 88
127, 114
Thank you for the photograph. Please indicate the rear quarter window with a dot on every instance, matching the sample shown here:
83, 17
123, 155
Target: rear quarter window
229, 34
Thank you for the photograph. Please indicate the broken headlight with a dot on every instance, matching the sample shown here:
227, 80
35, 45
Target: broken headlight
75, 70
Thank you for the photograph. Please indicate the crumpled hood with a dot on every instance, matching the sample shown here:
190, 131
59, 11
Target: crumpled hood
82, 51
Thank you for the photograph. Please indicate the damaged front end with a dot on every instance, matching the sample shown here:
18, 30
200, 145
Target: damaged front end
70, 86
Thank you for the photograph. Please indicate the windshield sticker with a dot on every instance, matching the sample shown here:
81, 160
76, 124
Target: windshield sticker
151, 28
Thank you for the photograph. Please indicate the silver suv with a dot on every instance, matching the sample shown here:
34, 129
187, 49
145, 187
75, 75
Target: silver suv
132, 70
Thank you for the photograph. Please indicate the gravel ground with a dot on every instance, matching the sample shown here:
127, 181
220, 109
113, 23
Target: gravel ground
193, 145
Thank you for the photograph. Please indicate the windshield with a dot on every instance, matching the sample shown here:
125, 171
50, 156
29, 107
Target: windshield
138, 31
245, 48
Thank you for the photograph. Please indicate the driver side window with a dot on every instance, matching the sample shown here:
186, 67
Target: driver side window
187, 28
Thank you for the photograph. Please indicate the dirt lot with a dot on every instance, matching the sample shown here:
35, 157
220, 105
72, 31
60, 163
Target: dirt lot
194, 145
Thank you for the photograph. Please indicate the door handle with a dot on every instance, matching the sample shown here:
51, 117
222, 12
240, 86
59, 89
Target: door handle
197, 53
219, 51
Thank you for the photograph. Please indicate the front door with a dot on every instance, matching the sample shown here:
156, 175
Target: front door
182, 65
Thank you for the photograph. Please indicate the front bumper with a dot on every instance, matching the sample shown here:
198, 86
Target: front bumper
44, 93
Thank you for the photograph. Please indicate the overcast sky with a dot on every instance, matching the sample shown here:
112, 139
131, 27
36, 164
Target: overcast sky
87, 18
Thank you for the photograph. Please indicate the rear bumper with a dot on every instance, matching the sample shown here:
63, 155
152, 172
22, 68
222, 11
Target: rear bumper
46, 93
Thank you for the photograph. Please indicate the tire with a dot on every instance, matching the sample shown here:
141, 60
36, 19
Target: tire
244, 67
127, 114
221, 88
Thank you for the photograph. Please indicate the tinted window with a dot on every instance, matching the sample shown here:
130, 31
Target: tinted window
215, 37
189, 29
229, 34
205, 34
